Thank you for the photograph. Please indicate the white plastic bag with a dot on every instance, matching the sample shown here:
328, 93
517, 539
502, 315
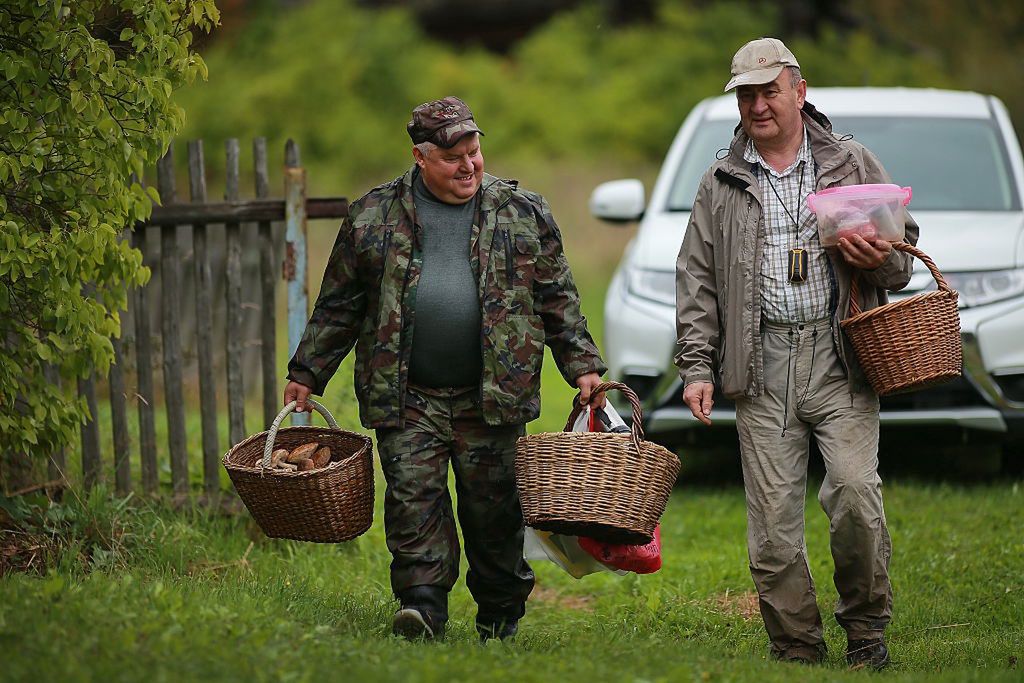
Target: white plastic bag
565, 551
614, 423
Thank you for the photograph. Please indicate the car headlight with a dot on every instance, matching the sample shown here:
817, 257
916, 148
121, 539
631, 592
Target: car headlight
654, 285
986, 287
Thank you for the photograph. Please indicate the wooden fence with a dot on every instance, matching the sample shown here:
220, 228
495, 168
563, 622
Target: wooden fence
136, 349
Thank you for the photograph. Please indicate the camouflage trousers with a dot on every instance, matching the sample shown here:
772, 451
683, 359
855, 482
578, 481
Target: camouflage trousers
445, 426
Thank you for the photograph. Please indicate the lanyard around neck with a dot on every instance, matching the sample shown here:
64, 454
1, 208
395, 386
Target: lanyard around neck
799, 194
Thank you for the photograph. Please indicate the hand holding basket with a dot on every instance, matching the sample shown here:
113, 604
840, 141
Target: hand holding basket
909, 344
608, 486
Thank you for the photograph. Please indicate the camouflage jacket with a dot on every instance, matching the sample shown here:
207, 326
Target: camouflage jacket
368, 300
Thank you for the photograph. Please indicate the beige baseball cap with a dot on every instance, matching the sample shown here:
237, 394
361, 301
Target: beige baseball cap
760, 61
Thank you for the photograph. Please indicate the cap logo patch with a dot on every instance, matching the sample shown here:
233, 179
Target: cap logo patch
449, 112
761, 60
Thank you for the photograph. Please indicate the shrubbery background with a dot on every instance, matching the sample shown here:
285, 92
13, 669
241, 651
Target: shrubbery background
342, 80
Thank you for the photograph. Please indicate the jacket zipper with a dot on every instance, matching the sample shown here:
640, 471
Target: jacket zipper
483, 222
387, 243
757, 358
401, 327
385, 248
509, 268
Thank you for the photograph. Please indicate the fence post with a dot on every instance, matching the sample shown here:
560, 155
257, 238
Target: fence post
144, 375
295, 253
204, 318
56, 465
90, 434
170, 291
236, 384
119, 422
268, 309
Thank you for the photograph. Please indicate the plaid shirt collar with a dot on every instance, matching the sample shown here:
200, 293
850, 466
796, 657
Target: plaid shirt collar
751, 155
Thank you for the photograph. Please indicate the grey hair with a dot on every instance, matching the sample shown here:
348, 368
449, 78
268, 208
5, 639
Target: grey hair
794, 75
426, 148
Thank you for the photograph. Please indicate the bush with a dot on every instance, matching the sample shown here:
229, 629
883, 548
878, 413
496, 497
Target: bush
85, 103
578, 88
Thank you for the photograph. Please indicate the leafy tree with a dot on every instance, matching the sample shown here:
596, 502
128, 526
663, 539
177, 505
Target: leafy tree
85, 102
580, 88
980, 44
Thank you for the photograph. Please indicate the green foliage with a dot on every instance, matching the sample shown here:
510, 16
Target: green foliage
577, 89
79, 535
344, 95
978, 44
86, 102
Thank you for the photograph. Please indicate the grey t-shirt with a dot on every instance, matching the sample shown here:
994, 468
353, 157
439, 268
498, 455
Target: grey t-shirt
446, 341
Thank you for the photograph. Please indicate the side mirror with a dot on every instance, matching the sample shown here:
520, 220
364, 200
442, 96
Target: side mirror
618, 201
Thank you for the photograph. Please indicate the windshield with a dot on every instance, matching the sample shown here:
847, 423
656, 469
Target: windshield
951, 164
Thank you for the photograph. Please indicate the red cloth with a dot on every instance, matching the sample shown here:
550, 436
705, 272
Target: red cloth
642, 559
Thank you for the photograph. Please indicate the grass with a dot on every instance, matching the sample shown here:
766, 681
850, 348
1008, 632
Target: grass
144, 593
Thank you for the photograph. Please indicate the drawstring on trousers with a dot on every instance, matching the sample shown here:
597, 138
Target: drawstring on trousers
810, 371
789, 371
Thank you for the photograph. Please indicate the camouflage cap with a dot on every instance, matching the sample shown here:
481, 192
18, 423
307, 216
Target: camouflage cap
442, 122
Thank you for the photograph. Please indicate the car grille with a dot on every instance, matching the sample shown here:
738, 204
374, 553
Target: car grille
957, 393
1012, 386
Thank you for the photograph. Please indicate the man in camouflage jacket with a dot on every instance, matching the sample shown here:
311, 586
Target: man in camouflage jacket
453, 375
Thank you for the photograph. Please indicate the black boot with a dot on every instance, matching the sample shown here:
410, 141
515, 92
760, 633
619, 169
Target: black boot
423, 614
502, 623
505, 629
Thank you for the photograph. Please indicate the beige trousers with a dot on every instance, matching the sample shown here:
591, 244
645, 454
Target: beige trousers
806, 393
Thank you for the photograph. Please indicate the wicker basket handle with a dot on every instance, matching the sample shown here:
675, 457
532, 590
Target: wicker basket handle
913, 251
268, 447
636, 429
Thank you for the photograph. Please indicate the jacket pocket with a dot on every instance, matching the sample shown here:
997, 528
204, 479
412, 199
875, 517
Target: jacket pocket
518, 355
514, 270
520, 258
531, 328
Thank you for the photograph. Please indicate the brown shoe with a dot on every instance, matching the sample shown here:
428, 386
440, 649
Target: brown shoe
867, 654
801, 654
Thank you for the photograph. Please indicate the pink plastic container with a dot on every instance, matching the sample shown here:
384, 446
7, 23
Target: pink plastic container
871, 211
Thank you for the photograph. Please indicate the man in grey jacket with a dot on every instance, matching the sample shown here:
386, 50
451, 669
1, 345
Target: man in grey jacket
759, 302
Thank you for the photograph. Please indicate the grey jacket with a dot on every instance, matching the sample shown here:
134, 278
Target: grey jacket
718, 300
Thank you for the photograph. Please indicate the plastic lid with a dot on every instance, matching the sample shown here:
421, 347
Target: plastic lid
879, 190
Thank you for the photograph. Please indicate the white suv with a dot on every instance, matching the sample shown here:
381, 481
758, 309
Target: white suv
960, 154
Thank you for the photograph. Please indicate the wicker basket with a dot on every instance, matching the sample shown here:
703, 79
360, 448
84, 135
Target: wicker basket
910, 344
326, 505
607, 486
